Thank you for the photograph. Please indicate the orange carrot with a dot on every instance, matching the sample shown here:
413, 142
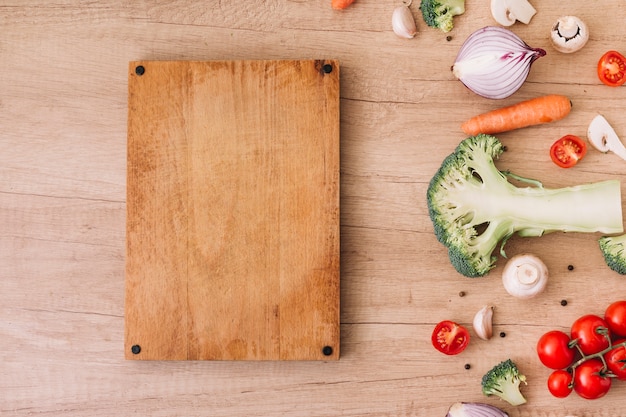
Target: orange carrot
341, 4
526, 113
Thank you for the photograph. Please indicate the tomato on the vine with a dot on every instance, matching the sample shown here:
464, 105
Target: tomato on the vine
591, 333
567, 151
615, 317
560, 383
612, 69
590, 381
554, 350
450, 338
616, 360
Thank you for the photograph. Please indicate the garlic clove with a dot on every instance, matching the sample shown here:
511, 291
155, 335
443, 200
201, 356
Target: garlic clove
403, 22
483, 322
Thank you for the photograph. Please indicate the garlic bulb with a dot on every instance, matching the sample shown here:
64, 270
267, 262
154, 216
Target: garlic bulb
525, 276
403, 22
483, 323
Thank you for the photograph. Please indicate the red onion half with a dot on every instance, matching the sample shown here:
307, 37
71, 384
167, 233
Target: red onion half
494, 62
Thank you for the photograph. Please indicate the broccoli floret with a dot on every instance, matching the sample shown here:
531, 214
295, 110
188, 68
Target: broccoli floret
503, 380
439, 13
612, 248
474, 207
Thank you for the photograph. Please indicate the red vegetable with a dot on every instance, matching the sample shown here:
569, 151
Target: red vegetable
615, 317
612, 69
450, 338
616, 360
554, 351
340, 4
591, 334
559, 383
590, 381
567, 151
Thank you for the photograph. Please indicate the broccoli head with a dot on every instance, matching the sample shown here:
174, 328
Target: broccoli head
612, 248
503, 380
474, 207
439, 13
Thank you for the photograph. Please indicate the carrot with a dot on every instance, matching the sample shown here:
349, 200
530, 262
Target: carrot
536, 111
341, 4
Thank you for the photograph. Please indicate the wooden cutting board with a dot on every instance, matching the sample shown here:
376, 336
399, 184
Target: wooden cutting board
233, 211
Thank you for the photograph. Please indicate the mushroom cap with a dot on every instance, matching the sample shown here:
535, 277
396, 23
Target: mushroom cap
569, 34
525, 276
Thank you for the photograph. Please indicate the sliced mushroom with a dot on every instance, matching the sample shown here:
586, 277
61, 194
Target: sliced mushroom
507, 12
569, 34
602, 136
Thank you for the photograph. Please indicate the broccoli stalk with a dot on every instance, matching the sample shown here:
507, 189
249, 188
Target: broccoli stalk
612, 248
439, 13
474, 207
503, 380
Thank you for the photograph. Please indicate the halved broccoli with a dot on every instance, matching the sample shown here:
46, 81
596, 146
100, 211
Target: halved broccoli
473, 206
503, 380
612, 248
439, 13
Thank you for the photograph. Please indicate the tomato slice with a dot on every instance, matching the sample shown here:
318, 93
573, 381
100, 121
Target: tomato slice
612, 69
450, 338
567, 151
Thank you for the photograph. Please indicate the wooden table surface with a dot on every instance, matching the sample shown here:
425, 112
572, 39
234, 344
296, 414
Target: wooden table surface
63, 115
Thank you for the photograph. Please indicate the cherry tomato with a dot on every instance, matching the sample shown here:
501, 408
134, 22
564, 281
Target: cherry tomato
616, 360
567, 151
591, 333
560, 383
612, 69
554, 351
450, 338
590, 381
615, 317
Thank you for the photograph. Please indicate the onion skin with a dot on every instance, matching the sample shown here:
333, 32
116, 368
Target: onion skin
494, 62
475, 410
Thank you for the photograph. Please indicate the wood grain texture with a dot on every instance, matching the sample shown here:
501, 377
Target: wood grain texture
63, 127
233, 210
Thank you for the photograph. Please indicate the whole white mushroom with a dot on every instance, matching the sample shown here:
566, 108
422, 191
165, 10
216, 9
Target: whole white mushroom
525, 276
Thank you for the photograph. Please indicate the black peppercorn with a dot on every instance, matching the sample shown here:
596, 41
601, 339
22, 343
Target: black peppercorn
563, 303
570, 267
502, 334
468, 366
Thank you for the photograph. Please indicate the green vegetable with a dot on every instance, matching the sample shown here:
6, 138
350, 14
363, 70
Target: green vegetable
473, 206
612, 248
503, 380
439, 13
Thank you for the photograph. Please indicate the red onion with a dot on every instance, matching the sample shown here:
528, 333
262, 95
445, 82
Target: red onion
475, 410
494, 62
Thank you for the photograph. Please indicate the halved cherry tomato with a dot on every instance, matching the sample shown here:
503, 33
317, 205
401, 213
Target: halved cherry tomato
567, 151
612, 69
450, 338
